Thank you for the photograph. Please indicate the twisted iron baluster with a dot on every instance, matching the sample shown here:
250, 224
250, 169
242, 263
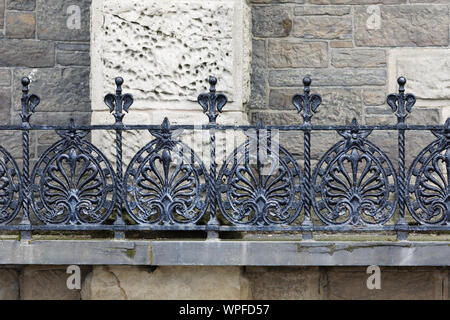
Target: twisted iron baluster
212, 104
119, 103
259, 127
29, 104
401, 104
307, 105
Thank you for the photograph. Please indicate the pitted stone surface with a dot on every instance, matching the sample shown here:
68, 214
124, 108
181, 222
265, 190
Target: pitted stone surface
166, 50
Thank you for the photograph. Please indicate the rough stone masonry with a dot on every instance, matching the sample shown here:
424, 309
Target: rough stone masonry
353, 50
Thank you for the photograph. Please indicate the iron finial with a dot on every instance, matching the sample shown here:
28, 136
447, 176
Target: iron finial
306, 103
25, 83
165, 126
401, 103
212, 82
260, 124
212, 103
29, 102
401, 82
307, 82
118, 102
119, 83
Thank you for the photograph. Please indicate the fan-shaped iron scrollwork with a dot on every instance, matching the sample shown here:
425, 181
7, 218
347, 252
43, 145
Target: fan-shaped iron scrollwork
166, 181
10, 189
355, 182
258, 186
73, 182
428, 181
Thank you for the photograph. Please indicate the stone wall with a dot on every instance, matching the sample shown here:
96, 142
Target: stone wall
40, 39
259, 283
354, 51
353, 55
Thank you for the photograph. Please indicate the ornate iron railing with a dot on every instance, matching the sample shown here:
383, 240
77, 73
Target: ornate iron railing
166, 186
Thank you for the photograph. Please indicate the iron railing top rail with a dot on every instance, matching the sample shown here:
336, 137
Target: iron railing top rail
259, 187
300, 127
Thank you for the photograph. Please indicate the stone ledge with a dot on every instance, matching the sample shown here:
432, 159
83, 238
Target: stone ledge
224, 253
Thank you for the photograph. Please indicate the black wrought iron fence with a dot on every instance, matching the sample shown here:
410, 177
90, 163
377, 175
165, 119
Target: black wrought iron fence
166, 186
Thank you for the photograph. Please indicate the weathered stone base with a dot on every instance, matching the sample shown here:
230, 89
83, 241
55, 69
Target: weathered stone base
233, 283
166, 283
9, 284
347, 283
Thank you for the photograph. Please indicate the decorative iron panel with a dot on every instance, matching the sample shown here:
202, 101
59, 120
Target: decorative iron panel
260, 186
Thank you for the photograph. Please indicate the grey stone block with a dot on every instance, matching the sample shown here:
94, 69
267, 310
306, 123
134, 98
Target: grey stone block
55, 118
2, 13
322, 10
54, 18
26, 53
45, 283
341, 44
5, 106
354, 58
5, 77
272, 21
12, 142
327, 77
20, 25
322, 27
297, 54
73, 58
27, 5
278, 1
404, 26
284, 283
396, 283
374, 97
320, 143
60, 89
9, 284
67, 46
258, 76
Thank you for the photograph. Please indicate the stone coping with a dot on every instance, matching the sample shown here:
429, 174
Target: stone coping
225, 253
